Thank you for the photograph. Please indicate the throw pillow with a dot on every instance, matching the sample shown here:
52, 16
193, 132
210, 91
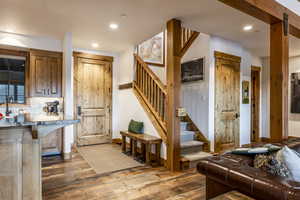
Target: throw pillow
292, 161
136, 127
270, 164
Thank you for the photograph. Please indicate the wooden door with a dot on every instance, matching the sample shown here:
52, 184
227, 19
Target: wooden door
227, 101
255, 104
38, 75
93, 101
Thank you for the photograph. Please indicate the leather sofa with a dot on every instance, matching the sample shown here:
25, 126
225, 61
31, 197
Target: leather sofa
235, 172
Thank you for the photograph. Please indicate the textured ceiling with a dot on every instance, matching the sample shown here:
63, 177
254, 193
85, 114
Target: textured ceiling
89, 21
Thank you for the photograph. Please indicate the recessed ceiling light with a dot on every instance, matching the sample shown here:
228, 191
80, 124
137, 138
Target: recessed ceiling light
248, 27
95, 45
123, 15
114, 26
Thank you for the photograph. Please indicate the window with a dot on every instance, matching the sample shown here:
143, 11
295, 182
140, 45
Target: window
12, 79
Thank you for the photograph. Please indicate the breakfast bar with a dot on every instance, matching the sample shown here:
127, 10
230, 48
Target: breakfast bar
20, 157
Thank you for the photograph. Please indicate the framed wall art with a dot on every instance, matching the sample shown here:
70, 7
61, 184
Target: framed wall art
152, 51
192, 70
245, 92
295, 93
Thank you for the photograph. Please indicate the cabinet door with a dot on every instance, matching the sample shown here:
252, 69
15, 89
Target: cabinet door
45, 73
11, 169
52, 143
55, 76
39, 75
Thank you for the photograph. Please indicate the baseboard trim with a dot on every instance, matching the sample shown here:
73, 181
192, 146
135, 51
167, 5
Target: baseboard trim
67, 156
116, 141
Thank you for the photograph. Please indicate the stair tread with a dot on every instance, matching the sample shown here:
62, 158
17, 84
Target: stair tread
196, 156
187, 132
192, 143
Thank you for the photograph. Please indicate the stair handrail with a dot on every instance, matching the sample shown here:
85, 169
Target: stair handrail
160, 84
152, 91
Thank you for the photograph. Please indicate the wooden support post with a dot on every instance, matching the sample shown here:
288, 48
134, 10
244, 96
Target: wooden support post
279, 75
173, 91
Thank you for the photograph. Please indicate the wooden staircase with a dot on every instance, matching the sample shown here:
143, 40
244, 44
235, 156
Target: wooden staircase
194, 145
162, 101
151, 93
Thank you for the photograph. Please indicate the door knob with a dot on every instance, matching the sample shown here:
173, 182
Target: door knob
237, 115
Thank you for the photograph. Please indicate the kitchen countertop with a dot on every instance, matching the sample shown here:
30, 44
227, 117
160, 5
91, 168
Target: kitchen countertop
4, 123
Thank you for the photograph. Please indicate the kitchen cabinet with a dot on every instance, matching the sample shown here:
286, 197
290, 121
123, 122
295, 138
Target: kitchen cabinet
45, 74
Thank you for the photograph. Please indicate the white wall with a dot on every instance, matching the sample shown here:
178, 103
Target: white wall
230, 47
68, 93
26, 41
265, 99
294, 119
195, 95
291, 4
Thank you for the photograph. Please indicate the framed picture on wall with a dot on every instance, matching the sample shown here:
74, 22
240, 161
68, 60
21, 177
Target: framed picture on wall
245, 92
152, 51
192, 70
295, 93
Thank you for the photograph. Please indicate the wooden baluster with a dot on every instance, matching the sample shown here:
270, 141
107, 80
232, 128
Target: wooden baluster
159, 102
137, 74
150, 96
163, 107
142, 86
154, 98
157, 99
147, 86
145, 83
144, 80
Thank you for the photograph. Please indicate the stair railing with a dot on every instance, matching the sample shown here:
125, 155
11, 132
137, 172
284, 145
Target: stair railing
152, 91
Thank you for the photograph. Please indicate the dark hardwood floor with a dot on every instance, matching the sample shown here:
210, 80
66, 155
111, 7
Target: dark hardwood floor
76, 180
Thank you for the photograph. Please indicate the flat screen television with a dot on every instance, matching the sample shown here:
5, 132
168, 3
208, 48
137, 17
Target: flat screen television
192, 70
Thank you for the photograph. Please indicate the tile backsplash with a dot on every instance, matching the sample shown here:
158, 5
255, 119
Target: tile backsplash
35, 109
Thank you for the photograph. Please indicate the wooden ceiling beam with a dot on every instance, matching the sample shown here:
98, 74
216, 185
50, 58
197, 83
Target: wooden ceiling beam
268, 11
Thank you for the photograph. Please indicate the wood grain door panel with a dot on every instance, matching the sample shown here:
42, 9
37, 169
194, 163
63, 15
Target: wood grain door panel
45, 74
93, 97
52, 143
227, 101
39, 75
55, 79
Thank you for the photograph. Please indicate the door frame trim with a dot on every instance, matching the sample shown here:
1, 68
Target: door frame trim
109, 61
256, 69
228, 58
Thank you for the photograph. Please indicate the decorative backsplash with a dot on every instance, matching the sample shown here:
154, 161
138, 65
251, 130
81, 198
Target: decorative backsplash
35, 109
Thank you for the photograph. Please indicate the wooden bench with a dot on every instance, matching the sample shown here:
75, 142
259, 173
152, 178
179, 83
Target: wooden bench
146, 143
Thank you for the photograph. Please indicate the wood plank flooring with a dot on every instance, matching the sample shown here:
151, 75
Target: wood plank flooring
76, 180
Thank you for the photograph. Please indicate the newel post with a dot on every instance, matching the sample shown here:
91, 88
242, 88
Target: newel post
173, 93
279, 76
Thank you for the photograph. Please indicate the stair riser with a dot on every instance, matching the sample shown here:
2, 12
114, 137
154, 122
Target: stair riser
190, 150
183, 126
187, 137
